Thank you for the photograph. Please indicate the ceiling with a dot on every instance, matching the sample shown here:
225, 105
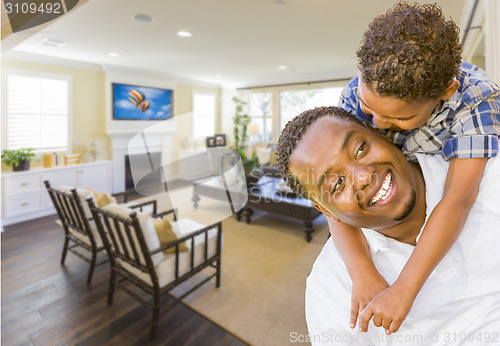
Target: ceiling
233, 43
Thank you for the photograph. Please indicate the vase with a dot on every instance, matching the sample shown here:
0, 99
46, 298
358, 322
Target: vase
24, 165
88, 157
94, 150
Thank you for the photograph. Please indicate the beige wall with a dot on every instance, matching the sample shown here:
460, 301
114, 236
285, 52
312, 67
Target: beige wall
89, 106
88, 101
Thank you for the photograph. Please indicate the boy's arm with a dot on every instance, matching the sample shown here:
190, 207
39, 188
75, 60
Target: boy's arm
390, 307
353, 248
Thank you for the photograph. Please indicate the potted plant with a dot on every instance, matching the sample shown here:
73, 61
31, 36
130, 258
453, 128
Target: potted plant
251, 166
18, 158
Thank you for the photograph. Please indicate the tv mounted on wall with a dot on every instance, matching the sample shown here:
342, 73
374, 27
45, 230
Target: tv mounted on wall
133, 102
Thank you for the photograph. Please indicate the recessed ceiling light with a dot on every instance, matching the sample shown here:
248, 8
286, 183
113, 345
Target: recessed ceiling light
184, 34
282, 67
53, 43
143, 18
114, 55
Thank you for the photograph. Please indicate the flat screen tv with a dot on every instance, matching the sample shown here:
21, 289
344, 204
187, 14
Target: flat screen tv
133, 102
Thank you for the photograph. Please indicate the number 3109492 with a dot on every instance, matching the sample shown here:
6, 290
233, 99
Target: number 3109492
26, 7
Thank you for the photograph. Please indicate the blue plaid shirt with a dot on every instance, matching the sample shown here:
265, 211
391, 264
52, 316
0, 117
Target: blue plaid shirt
467, 125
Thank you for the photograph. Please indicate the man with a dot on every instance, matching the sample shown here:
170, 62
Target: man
357, 176
414, 88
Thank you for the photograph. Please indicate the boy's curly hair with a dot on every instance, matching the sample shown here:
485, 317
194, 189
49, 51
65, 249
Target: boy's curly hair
292, 134
411, 52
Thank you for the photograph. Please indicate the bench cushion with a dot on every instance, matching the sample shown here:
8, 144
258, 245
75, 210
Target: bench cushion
83, 194
147, 227
165, 270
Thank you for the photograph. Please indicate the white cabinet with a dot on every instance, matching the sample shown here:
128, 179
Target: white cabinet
94, 177
200, 163
25, 197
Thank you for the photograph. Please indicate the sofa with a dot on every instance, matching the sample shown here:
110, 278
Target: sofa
266, 155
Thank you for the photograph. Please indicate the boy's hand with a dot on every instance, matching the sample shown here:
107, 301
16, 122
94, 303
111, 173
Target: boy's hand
389, 309
363, 291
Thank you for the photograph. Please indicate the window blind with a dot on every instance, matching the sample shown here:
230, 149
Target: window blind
203, 115
37, 113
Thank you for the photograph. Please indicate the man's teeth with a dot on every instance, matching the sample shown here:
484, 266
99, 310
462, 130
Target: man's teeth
384, 191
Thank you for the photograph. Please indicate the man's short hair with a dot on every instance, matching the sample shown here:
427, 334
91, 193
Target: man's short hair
412, 52
292, 134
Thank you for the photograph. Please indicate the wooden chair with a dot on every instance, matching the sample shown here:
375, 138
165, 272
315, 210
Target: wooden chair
81, 235
136, 266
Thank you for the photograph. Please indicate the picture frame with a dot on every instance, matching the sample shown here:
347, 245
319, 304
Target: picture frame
220, 140
135, 102
210, 142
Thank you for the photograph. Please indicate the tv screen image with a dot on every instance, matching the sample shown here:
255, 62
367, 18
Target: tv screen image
133, 102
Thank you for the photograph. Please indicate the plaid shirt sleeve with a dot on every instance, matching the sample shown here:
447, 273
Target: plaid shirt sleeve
475, 131
348, 99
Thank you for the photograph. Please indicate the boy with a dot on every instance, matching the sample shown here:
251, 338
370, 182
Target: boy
413, 87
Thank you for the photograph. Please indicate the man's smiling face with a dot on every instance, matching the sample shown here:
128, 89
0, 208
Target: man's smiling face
354, 173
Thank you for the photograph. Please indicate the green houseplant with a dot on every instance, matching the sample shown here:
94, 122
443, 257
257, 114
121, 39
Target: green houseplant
250, 164
18, 158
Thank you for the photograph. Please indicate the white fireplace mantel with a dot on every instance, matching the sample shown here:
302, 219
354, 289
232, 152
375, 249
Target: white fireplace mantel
158, 139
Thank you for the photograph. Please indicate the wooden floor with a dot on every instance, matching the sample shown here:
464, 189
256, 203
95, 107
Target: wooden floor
44, 303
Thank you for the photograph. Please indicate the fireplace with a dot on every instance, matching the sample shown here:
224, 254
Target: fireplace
150, 182
158, 143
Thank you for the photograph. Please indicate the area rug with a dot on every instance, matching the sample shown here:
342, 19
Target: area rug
264, 269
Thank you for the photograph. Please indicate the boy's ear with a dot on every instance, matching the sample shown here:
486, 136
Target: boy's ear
451, 90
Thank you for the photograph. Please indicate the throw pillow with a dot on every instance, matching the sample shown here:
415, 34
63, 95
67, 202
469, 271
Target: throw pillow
273, 160
264, 155
167, 235
102, 199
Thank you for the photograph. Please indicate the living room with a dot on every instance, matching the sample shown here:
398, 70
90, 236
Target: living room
280, 57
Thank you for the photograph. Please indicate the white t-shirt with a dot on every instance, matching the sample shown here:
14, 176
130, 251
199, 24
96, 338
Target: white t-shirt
459, 303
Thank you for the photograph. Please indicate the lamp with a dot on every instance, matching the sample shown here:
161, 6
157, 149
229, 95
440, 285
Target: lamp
253, 129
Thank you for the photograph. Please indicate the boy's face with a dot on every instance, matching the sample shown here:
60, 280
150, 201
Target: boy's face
354, 173
394, 113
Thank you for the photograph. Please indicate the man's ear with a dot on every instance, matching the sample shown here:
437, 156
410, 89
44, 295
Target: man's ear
451, 90
324, 211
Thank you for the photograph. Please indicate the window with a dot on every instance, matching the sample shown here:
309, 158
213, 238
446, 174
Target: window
294, 102
37, 112
203, 114
260, 109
